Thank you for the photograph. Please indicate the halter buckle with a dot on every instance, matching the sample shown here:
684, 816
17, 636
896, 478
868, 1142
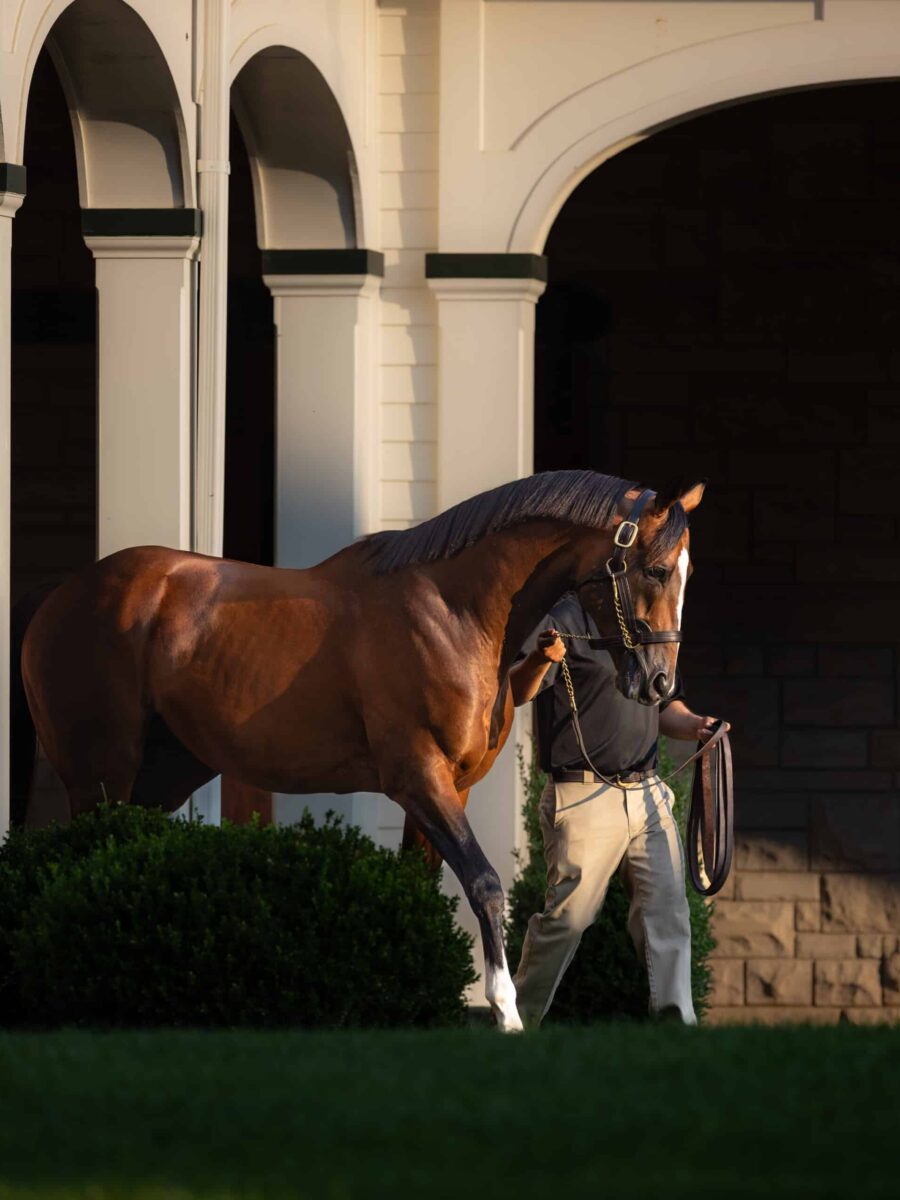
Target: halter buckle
631, 535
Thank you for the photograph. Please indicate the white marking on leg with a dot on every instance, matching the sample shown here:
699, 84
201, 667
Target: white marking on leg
501, 995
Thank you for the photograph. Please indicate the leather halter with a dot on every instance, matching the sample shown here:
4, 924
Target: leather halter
633, 631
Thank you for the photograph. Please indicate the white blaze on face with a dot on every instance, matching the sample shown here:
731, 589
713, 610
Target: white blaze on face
681, 569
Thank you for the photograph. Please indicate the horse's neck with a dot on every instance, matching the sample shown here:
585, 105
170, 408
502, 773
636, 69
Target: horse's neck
510, 580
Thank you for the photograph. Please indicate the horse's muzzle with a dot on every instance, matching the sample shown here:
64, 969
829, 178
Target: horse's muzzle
641, 681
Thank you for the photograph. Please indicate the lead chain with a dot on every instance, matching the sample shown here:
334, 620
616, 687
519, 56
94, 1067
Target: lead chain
567, 678
620, 616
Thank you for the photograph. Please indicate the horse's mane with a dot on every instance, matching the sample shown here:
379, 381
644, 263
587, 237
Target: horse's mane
581, 497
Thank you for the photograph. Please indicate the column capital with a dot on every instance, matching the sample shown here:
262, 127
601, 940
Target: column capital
141, 222
520, 277
355, 272
323, 285
143, 247
357, 261
12, 188
141, 232
528, 291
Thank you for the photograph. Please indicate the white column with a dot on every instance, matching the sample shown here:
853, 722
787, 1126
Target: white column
485, 438
327, 442
145, 289
9, 205
213, 169
326, 455
485, 383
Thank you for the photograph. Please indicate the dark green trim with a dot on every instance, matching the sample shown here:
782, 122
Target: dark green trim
322, 262
12, 178
140, 222
486, 266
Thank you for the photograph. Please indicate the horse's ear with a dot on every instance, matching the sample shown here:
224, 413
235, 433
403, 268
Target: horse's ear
687, 494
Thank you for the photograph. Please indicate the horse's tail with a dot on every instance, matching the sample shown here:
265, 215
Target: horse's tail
22, 737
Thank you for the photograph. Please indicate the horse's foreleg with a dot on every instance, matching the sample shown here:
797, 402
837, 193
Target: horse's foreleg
415, 839
427, 795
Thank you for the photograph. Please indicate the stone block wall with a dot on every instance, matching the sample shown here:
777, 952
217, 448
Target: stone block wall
722, 304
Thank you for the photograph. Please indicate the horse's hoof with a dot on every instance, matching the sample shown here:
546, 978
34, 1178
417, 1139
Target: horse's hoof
510, 1023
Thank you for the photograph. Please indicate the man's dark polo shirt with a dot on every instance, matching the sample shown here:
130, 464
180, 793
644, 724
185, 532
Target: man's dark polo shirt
620, 734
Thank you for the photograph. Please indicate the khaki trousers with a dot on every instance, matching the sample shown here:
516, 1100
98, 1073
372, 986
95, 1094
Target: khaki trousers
590, 831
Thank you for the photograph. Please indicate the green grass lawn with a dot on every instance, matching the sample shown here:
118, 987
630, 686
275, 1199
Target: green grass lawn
618, 1111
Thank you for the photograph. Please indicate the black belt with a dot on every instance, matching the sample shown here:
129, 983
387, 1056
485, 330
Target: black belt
564, 776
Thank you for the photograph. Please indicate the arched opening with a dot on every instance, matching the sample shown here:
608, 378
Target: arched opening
249, 530
723, 302
131, 146
306, 185
250, 378
54, 417
53, 373
293, 180
101, 418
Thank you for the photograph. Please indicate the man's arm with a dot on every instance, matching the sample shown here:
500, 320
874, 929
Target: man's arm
526, 676
677, 721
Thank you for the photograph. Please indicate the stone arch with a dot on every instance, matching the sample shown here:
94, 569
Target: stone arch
574, 137
304, 171
130, 137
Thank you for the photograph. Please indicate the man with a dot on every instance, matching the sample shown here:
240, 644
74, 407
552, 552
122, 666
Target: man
590, 829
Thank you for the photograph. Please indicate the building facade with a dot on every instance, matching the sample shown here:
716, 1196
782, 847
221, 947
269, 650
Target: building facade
271, 276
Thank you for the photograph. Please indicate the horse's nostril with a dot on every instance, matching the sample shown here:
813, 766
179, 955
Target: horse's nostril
661, 684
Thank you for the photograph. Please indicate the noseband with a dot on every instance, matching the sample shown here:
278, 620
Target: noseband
633, 632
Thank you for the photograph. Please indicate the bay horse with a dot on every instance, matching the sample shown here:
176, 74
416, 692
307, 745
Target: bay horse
382, 669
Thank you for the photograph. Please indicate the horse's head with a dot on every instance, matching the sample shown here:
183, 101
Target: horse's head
636, 597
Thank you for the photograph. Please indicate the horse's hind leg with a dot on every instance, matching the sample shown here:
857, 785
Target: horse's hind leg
426, 793
169, 774
94, 744
104, 770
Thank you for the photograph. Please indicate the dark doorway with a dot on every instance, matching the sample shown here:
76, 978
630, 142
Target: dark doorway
54, 377
724, 302
249, 418
53, 385
250, 378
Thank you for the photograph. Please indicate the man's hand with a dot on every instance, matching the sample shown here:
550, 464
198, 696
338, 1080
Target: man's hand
551, 646
526, 677
677, 721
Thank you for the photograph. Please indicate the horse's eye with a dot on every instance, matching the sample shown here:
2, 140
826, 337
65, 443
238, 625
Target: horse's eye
660, 574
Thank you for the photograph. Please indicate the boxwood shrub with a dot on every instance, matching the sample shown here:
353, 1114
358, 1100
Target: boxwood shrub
127, 918
605, 979
30, 858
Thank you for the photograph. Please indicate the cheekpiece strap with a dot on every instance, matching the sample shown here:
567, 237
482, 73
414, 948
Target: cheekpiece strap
627, 531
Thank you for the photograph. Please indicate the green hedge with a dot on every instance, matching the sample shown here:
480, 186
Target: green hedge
605, 979
128, 918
